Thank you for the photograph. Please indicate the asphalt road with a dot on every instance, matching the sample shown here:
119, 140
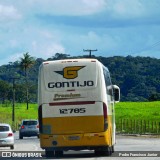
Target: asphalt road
127, 147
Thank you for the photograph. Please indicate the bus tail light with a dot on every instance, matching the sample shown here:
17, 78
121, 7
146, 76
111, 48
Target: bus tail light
40, 118
105, 116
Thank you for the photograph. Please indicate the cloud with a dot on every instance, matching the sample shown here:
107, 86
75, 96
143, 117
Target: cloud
126, 9
111, 13
8, 13
36, 50
60, 7
105, 43
46, 50
15, 57
43, 28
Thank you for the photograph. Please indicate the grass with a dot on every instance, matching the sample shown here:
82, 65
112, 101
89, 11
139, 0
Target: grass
20, 112
138, 110
149, 111
138, 117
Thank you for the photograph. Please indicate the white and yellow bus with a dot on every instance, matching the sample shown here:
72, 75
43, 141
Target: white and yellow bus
76, 106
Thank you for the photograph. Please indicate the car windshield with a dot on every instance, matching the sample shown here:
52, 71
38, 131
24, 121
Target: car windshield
4, 128
29, 122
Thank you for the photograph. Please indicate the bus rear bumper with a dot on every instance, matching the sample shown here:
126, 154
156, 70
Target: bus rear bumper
90, 141
76, 148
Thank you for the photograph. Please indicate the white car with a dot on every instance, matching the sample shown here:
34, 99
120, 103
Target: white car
6, 136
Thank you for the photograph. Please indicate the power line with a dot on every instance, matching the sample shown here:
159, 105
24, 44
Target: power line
149, 47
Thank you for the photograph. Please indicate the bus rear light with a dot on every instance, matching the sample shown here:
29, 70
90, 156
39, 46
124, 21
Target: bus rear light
105, 116
40, 118
105, 110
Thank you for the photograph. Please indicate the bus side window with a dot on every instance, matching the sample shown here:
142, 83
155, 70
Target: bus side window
109, 88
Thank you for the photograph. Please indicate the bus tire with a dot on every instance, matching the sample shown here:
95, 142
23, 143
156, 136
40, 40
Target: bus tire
49, 153
112, 147
104, 152
58, 153
108, 151
97, 152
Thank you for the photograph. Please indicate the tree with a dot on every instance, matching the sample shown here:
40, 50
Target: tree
59, 56
154, 97
26, 62
4, 91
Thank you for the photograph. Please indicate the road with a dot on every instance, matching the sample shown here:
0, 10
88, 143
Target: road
126, 148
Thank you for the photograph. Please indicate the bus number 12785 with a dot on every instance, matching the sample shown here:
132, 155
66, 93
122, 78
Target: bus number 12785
72, 110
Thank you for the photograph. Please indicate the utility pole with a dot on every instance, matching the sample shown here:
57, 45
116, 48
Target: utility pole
13, 101
90, 51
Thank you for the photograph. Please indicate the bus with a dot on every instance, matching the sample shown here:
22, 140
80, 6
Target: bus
76, 107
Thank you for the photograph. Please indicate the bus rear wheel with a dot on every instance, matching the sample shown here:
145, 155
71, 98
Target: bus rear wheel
112, 147
49, 153
104, 152
58, 153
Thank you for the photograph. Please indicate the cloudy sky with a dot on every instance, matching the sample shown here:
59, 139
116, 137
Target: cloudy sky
45, 27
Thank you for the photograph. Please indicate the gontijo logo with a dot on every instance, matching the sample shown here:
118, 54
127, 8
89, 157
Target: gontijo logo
70, 72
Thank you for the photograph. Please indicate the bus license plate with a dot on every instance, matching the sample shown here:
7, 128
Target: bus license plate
73, 138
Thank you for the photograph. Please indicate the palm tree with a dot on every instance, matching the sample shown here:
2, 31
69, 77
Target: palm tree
26, 62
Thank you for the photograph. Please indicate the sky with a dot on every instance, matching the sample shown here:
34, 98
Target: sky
46, 27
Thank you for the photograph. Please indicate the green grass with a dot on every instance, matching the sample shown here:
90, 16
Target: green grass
148, 111
138, 110
20, 112
124, 110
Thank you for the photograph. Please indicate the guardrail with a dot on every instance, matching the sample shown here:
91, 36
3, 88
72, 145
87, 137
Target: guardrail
134, 126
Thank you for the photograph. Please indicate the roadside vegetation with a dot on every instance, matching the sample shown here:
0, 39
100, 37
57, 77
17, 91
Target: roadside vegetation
138, 110
137, 77
131, 117
21, 112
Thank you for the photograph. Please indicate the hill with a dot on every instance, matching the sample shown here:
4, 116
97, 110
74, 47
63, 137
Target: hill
137, 77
